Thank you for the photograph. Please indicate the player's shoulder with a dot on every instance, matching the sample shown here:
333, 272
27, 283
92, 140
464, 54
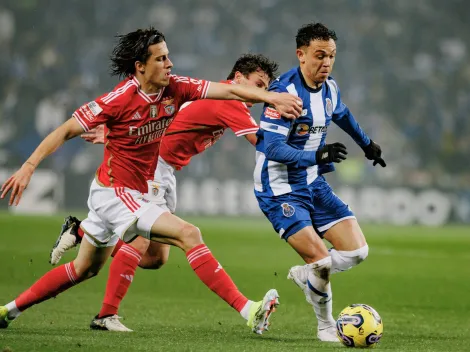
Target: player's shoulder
121, 93
332, 84
281, 83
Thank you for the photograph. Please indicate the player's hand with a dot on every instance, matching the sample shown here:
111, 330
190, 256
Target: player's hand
17, 183
287, 105
95, 136
331, 153
374, 152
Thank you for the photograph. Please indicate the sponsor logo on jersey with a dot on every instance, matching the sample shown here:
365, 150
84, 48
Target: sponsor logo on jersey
91, 110
150, 131
136, 116
329, 107
272, 113
287, 209
302, 129
153, 111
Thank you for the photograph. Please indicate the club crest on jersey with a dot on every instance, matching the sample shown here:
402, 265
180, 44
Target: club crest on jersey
169, 106
153, 111
329, 107
287, 209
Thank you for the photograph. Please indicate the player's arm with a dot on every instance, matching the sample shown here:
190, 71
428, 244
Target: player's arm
287, 104
251, 138
20, 179
343, 117
276, 149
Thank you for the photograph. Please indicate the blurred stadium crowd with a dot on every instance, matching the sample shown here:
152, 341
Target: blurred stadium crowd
403, 68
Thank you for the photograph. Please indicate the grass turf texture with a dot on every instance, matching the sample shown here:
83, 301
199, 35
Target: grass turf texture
417, 278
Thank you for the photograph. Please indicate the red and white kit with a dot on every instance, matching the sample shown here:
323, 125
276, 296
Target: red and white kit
136, 123
197, 127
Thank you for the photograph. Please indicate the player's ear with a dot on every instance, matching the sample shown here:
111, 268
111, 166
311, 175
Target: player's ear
238, 77
140, 67
301, 55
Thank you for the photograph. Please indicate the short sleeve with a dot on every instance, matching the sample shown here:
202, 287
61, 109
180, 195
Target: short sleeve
236, 116
95, 112
271, 120
190, 88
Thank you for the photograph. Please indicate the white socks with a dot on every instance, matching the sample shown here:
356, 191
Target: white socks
245, 312
345, 260
13, 311
319, 291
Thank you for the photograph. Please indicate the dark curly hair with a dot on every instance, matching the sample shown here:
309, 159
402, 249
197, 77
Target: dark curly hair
249, 63
132, 47
312, 31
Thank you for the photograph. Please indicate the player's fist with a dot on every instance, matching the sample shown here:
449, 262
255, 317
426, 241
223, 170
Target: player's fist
374, 152
287, 105
331, 153
95, 136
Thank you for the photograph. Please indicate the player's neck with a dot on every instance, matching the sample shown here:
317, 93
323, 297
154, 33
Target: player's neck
146, 86
308, 81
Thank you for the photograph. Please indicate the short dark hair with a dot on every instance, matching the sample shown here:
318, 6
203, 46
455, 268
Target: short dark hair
249, 63
312, 31
132, 47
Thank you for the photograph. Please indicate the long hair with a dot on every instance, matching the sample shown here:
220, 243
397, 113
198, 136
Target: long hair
132, 47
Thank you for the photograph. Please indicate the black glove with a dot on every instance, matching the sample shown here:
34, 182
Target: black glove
374, 152
331, 153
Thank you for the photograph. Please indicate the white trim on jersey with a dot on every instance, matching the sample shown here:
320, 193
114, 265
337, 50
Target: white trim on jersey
80, 122
260, 159
271, 127
114, 94
205, 89
246, 131
317, 108
291, 89
278, 178
334, 92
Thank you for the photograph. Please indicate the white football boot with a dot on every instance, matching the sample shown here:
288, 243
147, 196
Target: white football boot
111, 323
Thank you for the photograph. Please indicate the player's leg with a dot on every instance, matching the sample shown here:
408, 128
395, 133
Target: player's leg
314, 277
156, 256
336, 223
290, 216
170, 229
89, 261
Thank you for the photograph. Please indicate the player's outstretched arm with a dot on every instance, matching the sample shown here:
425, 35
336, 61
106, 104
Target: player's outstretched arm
286, 104
20, 179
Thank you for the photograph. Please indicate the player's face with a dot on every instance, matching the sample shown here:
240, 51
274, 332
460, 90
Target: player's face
317, 60
157, 68
259, 79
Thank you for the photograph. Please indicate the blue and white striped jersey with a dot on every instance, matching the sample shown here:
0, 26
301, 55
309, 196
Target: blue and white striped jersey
307, 133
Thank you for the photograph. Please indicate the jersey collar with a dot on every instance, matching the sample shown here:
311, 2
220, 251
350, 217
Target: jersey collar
307, 87
150, 98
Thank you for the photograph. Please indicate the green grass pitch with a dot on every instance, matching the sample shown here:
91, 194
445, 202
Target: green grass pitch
417, 278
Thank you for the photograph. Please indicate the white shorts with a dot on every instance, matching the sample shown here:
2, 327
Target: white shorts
162, 190
116, 213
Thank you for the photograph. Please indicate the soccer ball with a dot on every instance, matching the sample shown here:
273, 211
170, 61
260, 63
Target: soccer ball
359, 325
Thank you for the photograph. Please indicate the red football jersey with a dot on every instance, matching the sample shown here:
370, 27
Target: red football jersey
136, 123
198, 125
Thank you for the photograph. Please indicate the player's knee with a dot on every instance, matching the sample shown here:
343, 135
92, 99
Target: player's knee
140, 244
345, 260
190, 236
362, 254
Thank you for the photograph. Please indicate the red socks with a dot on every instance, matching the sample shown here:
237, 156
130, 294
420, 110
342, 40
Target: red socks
121, 274
214, 276
50, 285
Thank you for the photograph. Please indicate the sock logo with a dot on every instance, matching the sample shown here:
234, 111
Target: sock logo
219, 267
128, 277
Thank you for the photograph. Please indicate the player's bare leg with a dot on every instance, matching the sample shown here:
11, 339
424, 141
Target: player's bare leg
349, 245
88, 263
314, 279
171, 230
156, 256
